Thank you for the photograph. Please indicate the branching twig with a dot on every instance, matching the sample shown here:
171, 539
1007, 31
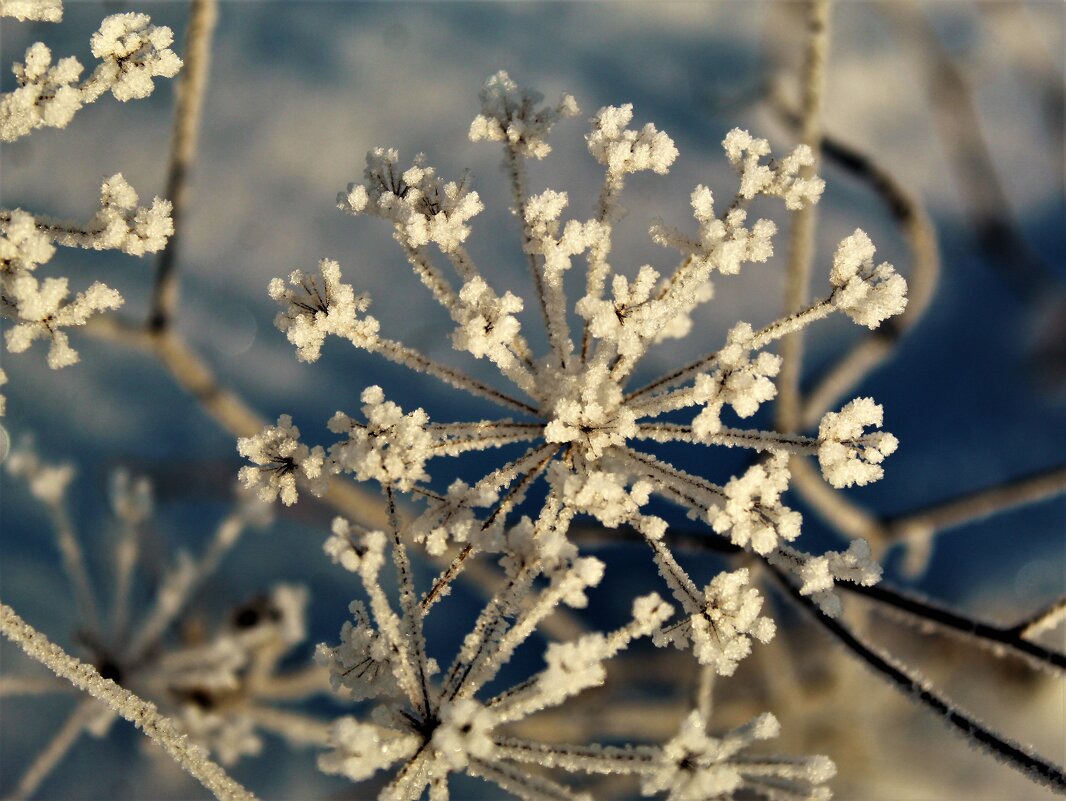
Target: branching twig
997, 638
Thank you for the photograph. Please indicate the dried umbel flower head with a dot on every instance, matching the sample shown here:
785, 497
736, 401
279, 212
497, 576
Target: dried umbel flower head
584, 425
582, 420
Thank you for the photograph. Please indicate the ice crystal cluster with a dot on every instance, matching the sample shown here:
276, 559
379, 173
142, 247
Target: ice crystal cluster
583, 426
132, 52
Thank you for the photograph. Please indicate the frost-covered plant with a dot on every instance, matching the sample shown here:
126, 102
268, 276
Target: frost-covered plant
132, 53
432, 726
584, 425
39, 308
576, 408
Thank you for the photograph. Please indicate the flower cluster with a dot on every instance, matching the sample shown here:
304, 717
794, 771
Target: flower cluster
278, 457
39, 308
131, 52
583, 425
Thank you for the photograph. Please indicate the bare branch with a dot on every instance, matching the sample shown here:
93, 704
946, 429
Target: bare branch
801, 242
1033, 488
191, 87
997, 638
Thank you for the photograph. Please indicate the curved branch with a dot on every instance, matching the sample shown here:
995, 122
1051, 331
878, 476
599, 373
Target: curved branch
909, 682
187, 112
922, 278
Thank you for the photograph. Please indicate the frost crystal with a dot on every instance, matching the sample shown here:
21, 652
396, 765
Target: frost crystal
720, 628
508, 114
132, 52
41, 312
848, 455
621, 150
39, 307
391, 447
279, 458
422, 207
867, 294
35, 10
745, 153
316, 309
752, 512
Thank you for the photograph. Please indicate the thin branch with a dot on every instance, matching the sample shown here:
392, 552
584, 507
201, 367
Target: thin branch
409, 357
187, 114
998, 638
142, 714
1032, 488
915, 687
1044, 620
801, 244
